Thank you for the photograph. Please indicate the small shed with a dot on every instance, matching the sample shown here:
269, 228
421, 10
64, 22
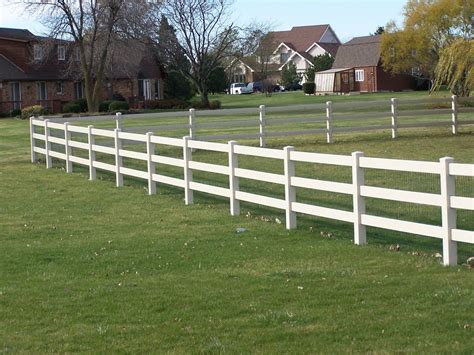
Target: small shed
335, 80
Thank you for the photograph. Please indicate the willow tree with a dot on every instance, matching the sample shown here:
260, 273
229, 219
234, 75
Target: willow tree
429, 30
456, 67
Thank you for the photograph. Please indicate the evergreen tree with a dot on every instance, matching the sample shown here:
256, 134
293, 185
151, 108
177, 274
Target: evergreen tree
319, 63
174, 61
289, 75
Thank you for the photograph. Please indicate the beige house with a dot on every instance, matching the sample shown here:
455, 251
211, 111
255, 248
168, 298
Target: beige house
298, 45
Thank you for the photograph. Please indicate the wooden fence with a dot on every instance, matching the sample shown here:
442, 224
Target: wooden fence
446, 169
329, 119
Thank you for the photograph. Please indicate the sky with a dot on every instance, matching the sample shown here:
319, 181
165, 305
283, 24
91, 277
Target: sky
348, 18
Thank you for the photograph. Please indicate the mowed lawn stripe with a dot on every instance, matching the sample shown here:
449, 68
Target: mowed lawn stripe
87, 267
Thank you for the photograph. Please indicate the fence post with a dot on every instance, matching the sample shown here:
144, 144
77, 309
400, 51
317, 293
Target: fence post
150, 150
262, 110
448, 214
290, 191
188, 173
454, 115
32, 140
47, 144
360, 235
67, 148
91, 141
233, 180
118, 158
394, 117
329, 121
118, 120
192, 123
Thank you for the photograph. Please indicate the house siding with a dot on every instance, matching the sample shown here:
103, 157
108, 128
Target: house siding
369, 84
329, 36
17, 52
394, 82
52, 70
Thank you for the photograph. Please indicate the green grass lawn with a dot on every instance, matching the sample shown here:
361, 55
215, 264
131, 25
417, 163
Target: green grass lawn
87, 267
299, 98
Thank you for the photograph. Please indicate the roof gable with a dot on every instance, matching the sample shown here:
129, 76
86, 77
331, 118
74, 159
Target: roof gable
9, 71
300, 37
358, 52
16, 34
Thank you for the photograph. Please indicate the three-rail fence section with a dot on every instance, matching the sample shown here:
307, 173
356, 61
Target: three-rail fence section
447, 170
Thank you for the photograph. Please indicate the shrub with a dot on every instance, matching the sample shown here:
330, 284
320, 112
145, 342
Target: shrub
72, 107
35, 110
104, 106
15, 113
309, 88
76, 106
213, 105
198, 105
118, 106
167, 104
82, 104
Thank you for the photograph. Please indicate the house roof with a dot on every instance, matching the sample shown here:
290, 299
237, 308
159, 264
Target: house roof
332, 71
16, 34
303, 55
358, 52
252, 63
9, 71
143, 64
300, 38
331, 48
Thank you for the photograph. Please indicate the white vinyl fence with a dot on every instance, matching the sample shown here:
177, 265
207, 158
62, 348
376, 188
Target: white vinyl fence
327, 119
446, 169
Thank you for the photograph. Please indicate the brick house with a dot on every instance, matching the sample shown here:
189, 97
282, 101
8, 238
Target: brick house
298, 45
358, 68
38, 70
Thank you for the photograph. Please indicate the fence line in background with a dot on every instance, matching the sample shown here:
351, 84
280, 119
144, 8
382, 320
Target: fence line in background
328, 114
446, 168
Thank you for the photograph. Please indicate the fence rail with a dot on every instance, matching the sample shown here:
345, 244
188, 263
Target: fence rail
329, 118
446, 169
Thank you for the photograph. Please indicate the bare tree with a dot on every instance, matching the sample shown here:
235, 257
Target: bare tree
204, 34
91, 25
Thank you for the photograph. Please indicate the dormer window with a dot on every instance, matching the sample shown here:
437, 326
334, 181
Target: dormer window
61, 53
284, 57
37, 52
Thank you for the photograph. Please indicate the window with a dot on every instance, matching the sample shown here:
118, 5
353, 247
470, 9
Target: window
37, 52
413, 52
238, 78
59, 87
61, 53
415, 71
144, 89
359, 75
77, 54
284, 57
78, 90
157, 89
392, 52
41, 91
345, 78
15, 95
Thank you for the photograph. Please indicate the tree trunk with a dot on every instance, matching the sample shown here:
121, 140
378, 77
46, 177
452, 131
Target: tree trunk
205, 96
205, 99
88, 93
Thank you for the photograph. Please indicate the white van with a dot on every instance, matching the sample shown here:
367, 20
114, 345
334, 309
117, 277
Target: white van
239, 88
